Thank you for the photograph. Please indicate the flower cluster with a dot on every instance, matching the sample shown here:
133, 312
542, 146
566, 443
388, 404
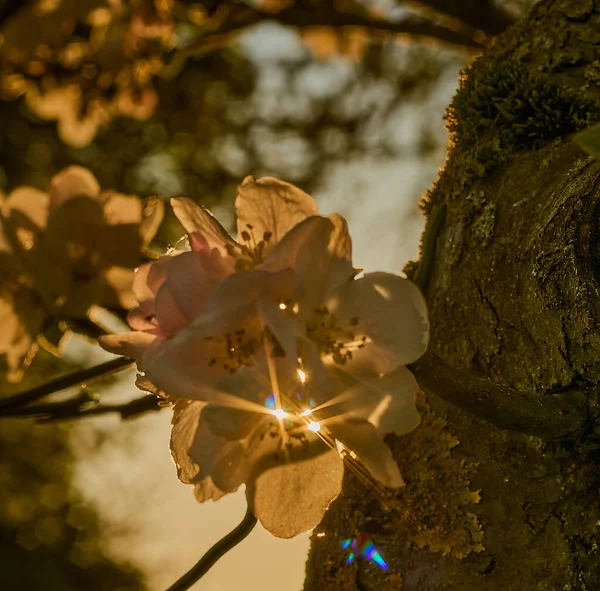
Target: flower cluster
62, 252
281, 363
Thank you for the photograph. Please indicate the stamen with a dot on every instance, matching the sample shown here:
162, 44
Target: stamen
333, 337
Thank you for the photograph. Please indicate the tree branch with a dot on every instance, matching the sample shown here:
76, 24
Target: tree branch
64, 382
479, 14
560, 415
304, 14
79, 408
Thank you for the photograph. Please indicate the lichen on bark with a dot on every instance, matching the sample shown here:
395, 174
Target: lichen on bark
514, 299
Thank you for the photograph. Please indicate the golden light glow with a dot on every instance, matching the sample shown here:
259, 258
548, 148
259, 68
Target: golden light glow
314, 426
305, 412
282, 306
302, 376
280, 413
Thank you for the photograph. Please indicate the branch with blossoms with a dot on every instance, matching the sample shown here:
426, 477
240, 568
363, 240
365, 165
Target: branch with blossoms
101, 63
284, 365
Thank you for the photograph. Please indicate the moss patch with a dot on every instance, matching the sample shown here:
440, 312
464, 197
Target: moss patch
437, 500
502, 107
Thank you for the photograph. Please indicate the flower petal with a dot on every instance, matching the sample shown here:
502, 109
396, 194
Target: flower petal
152, 217
119, 280
364, 440
271, 205
147, 281
74, 181
204, 230
318, 249
189, 286
290, 495
121, 209
33, 204
191, 362
205, 490
129, 344
186, 418
16, 336
387, 402
199, 454
391, 312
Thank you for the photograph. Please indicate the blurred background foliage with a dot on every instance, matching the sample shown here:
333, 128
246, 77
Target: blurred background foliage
165, 97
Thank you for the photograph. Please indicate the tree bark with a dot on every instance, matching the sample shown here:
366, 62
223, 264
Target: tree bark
514, 299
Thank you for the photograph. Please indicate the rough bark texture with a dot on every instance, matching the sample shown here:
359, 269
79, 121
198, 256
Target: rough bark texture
514, 298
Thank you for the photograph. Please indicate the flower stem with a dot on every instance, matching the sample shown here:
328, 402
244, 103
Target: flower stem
232, 539
64, 382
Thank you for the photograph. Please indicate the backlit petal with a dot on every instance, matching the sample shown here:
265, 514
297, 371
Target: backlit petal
204, 230
129, 344
289, 493
364, 440
271, 205
391, 312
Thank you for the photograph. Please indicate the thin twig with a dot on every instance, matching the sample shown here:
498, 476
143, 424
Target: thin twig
223, 546
79, 408
73, 379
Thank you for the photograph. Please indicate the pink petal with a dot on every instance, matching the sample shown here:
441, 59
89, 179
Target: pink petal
189, 285
147, 281
128, 344
184, 366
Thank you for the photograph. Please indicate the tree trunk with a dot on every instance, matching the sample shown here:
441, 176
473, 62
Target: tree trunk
502, 481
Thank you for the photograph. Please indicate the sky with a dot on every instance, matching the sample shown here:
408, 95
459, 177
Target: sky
124, 468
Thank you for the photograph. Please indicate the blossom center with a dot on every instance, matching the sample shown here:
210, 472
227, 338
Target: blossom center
250, 252
237, 349
333, 337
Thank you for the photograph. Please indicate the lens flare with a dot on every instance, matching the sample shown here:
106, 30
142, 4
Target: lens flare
314, 426
363, 546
